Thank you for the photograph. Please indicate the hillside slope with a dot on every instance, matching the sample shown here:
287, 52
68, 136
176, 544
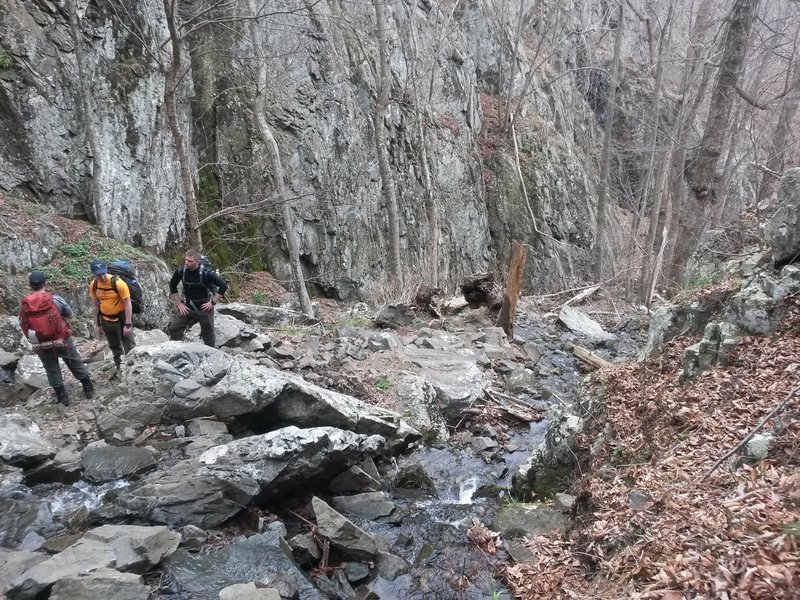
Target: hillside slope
657, 522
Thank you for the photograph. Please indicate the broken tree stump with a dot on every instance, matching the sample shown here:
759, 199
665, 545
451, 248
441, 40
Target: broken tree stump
516, 266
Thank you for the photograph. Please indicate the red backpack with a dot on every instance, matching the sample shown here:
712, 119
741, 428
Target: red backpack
40, 313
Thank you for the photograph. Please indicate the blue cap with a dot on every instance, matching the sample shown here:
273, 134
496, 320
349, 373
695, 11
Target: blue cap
99, 267
37, 278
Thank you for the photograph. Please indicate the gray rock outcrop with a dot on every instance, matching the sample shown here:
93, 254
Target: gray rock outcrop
20, 442
783, 229
177, 381
217, 485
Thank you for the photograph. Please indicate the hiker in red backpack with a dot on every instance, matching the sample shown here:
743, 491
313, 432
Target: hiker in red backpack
43, 319
112, 310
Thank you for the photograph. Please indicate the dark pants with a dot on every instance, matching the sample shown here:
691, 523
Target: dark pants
118, 343
180, 323
69, 354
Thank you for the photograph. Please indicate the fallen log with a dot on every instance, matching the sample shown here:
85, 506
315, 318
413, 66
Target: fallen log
589, 358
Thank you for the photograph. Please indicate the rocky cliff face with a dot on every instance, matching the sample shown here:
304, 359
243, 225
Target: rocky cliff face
447, 61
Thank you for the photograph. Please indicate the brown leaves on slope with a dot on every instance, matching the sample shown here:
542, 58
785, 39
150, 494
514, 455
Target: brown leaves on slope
659, 529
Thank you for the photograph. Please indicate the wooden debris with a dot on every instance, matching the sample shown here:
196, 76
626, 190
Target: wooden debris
589, 358
582, 296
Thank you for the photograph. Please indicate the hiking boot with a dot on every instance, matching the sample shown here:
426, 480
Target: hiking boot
88, 388
61, 395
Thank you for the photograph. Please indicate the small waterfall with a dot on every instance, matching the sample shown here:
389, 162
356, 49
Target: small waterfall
81, 493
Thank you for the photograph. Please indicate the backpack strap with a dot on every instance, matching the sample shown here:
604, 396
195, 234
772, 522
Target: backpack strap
113, 287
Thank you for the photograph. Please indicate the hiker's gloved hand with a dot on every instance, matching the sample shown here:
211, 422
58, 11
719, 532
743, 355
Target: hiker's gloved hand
182, 308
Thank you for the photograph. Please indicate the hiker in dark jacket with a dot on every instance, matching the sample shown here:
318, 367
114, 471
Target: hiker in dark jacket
49, 311
202, 289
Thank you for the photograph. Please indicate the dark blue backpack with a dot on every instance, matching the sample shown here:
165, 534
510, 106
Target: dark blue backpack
127, 272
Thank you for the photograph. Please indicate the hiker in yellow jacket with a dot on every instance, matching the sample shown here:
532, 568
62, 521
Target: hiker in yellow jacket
112, 310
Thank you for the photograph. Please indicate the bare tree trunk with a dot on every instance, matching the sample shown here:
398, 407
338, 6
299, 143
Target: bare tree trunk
431, 210
516, 267
268, 139
87, 110
602, 245
171, 80
383, 87
777, 151
690, 220
514, 60
702, 174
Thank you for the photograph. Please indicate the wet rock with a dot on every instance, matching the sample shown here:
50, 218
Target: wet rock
137, 548
210, 489
552, 459
102, 462
370, 505
521, 381
25, 520
102, 583
343, 534
353, 481
414, 477
20, 442
336, 586
257, 558
82, 557
305, 549
65, 467
481, 444
356, 571
527, 520
391, 566
418, 404
248, 591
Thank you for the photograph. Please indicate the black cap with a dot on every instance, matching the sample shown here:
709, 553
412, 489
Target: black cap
37, 278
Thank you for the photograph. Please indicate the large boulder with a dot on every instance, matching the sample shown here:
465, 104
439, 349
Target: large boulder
20, 442
672, 320
260, 558
458, 380
212, 488
102, 583
783, 230
136, 548
178, 381
102, 462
